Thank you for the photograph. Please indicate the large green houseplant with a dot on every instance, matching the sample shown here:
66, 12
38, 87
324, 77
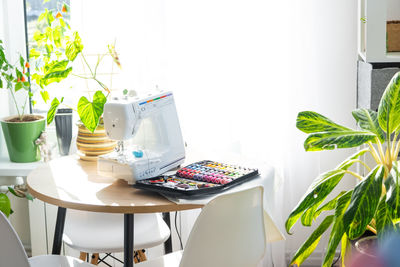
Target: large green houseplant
374, 203
53, 54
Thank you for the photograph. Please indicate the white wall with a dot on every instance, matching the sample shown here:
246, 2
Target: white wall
393, 9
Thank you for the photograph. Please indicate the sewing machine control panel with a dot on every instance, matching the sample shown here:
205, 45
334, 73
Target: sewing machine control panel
147, 106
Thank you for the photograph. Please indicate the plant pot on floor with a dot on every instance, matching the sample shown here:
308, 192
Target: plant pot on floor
91, 145
20, 137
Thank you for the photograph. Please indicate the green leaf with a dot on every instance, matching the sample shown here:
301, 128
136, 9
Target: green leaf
345, 249
52, 111
49, 49
337, 139
5, 205
56, 76
29, 197
74, 47
316, 193
55, 66
309, 203
90, 112
18, 86
49, 16
329, 205
42, 16
38, 36
384, 220
57, 36
45, 96
33, 53
21, 61
1, 83
393, 191
12, 191
311, 243
364, 202
55, 71
368, 120
389, 106
338, 228
62, 22
313, 122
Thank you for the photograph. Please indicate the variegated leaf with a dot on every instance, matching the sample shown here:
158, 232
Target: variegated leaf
317, 193
313, 122
337, 139
314, 196
364, 202
338, 228
311, 243
329, 205
384, 221
393, 191
389, 106
345, 250
368, 120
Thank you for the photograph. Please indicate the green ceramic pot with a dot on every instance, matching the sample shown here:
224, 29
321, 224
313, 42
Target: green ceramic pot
20, 138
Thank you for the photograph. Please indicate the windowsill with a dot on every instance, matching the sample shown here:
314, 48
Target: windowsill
8, 168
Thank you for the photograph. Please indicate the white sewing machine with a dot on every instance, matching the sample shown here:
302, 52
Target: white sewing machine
150, 123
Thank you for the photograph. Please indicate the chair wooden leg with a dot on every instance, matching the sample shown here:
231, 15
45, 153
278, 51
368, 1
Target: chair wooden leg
136, 257
95, 259
139, 256
82, 256
142, 255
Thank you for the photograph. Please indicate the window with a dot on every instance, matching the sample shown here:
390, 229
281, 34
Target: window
43, 17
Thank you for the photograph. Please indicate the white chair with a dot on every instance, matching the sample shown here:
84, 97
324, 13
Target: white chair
94, 232
229, 232
12, 253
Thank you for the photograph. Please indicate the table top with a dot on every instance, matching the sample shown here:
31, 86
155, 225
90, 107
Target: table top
75, 184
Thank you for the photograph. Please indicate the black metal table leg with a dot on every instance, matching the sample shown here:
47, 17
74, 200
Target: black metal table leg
128, 240
168, 243
58, 233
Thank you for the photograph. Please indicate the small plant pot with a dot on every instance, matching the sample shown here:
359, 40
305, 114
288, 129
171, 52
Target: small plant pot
20, 137
63, 121
91, 145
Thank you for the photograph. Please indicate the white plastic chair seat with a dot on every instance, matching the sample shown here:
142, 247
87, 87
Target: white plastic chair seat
169, 260
57, 261
95, 232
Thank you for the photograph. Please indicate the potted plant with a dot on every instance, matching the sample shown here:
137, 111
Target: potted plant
55, 50
374, 203
21, 130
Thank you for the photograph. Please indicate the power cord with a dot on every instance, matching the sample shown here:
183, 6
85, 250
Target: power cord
338, 258
176, 229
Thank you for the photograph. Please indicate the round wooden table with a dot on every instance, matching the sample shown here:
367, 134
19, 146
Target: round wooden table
70, 183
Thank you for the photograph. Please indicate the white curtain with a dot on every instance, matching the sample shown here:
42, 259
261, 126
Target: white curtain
240, 71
